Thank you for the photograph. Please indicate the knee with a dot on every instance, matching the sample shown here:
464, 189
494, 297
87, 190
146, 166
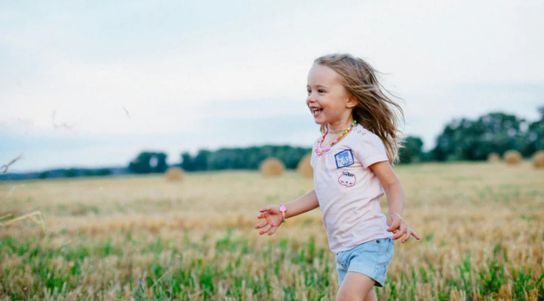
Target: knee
344, 295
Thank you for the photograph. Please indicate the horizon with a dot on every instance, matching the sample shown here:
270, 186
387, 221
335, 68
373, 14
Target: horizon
93, 84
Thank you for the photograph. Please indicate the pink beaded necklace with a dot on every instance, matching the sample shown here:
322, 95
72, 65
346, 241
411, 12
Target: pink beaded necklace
319, 151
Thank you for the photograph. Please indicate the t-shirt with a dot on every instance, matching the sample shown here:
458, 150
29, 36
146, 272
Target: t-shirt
348, 191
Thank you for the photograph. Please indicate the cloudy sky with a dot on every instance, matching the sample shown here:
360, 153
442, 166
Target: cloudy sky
92, 83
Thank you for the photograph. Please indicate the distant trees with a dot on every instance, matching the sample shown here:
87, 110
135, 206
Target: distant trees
534, 136
148, 162
412, 150
242, 158
461, 139
465, 139
67, 173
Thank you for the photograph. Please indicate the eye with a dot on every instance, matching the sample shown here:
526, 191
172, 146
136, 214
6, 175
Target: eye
321, 91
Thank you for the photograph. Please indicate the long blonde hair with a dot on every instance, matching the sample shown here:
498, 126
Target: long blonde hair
374, 110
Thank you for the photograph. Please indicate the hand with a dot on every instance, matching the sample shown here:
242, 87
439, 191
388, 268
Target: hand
400, 229
272, 218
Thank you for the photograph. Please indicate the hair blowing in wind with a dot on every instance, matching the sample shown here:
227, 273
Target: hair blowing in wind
375, 110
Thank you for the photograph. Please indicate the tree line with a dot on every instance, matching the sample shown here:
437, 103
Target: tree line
461, 139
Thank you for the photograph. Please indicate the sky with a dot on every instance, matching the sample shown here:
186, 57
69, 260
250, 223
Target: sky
93, 83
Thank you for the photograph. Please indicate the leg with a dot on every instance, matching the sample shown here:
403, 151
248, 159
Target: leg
355, 286
371, 295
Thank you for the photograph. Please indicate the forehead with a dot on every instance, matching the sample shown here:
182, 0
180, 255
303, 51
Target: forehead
323, 75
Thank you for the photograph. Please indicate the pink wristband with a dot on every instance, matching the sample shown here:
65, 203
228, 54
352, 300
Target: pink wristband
282, 210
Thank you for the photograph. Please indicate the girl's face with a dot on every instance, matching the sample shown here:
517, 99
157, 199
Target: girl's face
328, 100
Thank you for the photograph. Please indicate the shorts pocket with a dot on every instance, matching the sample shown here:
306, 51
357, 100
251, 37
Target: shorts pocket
341, 259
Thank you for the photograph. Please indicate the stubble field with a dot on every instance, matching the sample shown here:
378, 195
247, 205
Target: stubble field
144, 238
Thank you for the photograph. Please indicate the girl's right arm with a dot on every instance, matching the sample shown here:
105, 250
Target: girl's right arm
272, 215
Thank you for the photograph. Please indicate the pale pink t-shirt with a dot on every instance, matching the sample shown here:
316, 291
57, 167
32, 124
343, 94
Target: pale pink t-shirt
348, 192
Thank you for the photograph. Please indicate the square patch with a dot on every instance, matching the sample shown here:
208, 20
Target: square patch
344, 158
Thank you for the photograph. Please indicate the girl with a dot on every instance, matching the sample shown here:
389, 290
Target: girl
352, 169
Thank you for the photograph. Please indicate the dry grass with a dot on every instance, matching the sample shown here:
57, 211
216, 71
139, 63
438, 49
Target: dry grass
174, 174
512, 157
493, 157
272, 167
538, 159
141, 237
304, 167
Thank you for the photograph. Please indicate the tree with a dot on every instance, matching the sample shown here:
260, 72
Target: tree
412, 151
187, 162
148, 162
534, 136
466, 139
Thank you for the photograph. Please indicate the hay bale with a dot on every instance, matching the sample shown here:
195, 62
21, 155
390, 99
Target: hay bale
512, 157
538, 159
272, 167
493, 157
174, 174
304, 167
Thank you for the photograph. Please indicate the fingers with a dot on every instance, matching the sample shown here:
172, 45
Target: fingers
268, 227
272, 230
401, 231
394, 225
414, 234
405, 236
259, 226
269, 209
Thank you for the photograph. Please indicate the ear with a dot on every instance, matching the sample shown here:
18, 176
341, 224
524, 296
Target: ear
352, 102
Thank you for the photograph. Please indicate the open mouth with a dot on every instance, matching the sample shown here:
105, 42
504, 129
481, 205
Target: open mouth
316, 111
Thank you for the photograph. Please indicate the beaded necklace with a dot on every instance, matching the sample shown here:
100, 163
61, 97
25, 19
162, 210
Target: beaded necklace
319, 151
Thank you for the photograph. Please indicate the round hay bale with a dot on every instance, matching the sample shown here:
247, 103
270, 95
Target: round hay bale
538, 159
493, 157
304, 167
174, 174
272, 167
512, 157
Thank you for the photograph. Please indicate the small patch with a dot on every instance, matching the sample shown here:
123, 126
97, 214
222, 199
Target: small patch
347, 179
344, 158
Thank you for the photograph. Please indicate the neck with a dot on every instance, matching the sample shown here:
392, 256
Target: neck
339, 127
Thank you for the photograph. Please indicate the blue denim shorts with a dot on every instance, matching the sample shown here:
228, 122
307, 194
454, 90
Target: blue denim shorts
371, 258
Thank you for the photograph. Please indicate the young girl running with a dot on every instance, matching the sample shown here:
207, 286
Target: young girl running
352, 170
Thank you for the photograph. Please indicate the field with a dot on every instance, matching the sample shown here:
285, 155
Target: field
145, 238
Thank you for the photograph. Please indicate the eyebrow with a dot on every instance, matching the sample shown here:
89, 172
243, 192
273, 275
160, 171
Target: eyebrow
317, 86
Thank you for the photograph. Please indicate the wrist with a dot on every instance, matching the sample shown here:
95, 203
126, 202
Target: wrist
283, 210
395, 214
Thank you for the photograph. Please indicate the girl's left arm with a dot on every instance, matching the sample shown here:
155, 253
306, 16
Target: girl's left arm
395, 199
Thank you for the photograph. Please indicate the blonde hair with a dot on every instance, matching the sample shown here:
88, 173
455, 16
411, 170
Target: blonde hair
374, 110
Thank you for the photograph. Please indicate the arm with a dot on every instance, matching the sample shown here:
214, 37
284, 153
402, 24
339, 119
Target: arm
395, 199
272, 215
303, 204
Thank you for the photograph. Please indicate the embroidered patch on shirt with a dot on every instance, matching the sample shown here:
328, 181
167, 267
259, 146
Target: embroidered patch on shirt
347, 179
344, 158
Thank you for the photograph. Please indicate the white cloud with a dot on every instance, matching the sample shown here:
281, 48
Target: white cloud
173, 69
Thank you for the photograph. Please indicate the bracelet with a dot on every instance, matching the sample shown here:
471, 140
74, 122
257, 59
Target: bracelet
282, 210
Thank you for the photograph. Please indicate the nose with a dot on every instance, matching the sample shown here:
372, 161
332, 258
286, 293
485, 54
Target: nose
310, 98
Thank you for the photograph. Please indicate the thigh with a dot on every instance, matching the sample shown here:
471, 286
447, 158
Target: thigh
356, 286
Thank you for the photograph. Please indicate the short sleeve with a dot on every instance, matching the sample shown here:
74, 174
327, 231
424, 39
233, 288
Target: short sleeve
312, 159
370, 149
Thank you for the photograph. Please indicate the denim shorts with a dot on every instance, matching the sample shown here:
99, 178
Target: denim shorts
371, 258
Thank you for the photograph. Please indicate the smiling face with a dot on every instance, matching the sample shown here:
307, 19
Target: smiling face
328, 100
